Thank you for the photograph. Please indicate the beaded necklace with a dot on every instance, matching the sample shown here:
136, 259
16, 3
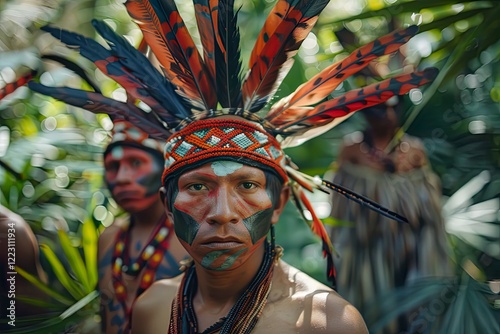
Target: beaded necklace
149, 259
244, 314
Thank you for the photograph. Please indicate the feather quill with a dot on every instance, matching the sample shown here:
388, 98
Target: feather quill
323, 83
168, 38
272, 60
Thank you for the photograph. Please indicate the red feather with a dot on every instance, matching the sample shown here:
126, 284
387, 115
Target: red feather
352, 101
174, 48
323, 83
203, 11
12, 86
271, 61
317, 228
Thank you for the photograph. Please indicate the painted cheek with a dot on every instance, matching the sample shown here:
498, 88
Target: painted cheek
152, 180
186, 227
259, 224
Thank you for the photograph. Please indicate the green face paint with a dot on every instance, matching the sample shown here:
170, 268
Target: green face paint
259, 224
215, 255
185, 226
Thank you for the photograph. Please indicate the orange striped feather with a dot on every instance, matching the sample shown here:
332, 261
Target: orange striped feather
271, 64
323, 83
175, 50
355, 100
275, 17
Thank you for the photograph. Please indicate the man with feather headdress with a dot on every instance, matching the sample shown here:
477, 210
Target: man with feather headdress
226, 176
140, 248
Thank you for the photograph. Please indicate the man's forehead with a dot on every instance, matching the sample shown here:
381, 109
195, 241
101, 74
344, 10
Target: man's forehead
222, 168
119, 152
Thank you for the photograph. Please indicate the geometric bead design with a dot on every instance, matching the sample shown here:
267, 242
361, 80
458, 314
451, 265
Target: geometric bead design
208, 138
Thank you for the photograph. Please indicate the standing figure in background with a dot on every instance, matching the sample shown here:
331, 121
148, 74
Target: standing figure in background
376, 253
136, 251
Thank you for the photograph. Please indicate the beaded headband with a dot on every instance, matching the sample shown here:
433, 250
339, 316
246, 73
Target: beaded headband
212, 138
125, 133
195, 86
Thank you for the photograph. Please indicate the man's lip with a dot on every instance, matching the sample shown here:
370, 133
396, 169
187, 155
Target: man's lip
218, 242
126, 195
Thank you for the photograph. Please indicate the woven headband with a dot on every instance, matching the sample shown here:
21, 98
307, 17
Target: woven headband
125, 133
213, 137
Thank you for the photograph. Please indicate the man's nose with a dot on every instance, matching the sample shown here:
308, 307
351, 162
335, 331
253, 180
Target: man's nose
124, 174
223, 208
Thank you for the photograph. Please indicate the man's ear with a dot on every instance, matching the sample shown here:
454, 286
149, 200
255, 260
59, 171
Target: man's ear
163, 195
283, 200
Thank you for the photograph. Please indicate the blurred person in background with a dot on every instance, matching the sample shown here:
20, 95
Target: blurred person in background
376, 253
141, 248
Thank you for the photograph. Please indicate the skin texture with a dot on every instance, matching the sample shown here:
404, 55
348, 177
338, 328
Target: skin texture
233, 212
133, 177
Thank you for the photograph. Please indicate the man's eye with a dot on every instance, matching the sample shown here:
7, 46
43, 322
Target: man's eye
136, 163
197, 187
111, 167
248, 185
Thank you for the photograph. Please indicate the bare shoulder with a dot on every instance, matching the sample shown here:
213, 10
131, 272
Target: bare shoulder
151, 311
301, 304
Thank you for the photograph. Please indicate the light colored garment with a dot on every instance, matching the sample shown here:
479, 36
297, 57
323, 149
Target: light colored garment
377, 253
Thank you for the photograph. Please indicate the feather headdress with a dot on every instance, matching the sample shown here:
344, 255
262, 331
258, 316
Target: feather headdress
194, 87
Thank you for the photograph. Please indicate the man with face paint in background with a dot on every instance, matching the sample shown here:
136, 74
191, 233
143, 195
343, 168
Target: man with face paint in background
136, 251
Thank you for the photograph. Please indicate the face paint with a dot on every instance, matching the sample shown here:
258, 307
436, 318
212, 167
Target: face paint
186, 228
133, 176
152, 180
259, 224
209, 260
223, 168
117, 152
218, 203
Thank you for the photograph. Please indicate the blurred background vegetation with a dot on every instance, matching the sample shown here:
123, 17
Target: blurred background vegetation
51, 153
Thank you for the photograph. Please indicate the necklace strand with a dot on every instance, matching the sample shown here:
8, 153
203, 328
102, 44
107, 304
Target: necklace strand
244, 314
149, 259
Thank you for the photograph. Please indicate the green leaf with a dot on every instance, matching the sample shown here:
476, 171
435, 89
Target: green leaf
61, 273
89, 240
44, 287
75, 260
